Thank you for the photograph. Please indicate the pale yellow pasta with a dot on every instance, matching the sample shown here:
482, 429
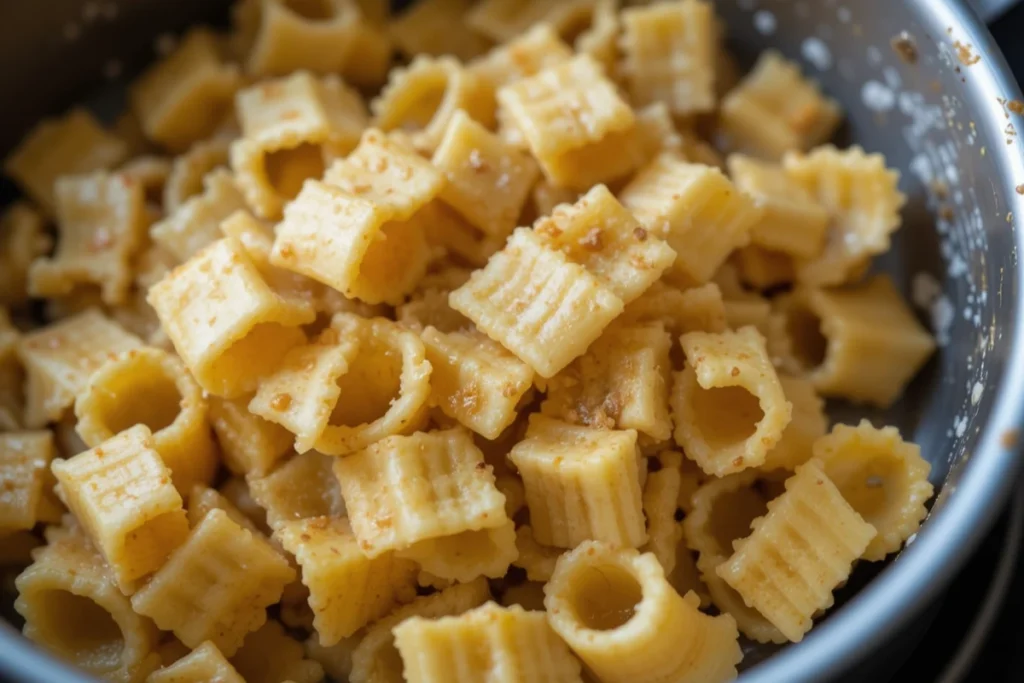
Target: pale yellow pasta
529, 595
763, 269
202, 499
188, 170
537, 303
863, 203
862, 342
882, 477
525, 55
436, 27
72, 607
152, 388
151, 172
498, 644
798, 553
503, 20
467, 555
121, 494
581, 484
385, 390
182, 99
511, 486
236, 490
291, 128
619, 614
196, 223
282, 36
375, 659
75, 144
538, 561
12, 376
775, 109
696, 209
807, 424
204, 663
333, 565
337, 659
698, 309
546, 196
23, 238
24, 475
248, 443
60, 358
226, 323
723, 509
750, 622
216, 586
600, 38
102, 224
669, 51
270, 655
660, 497
304, 487
474, 380
428, 307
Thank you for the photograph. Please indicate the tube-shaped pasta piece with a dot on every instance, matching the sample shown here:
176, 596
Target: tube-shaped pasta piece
24, 478
428, 307
538, 561
188, 171
74, 144
375, 659
467, 555
861, 343
23, 238
291, 127
669, 51
621, 382
205, 663
202, 499
121, 493
863, 203
581, 484
283, 36
537, 303
881, 476
333, 565
660, 498
248, 443
498, 644
270, 655
503, 20
152, 388
385, 390
229, 327
437, 27
475, 380
102, 222
600, 39
407, 489
302, 488
807, 425
698, 309
798, 553
729, 408
696, 209
182, 99
525, 55
216, 586
423, 97
775, 109
196, 223
72, 607
764, 269
619, 614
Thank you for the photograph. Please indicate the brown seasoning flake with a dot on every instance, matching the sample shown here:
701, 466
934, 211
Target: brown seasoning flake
905, 47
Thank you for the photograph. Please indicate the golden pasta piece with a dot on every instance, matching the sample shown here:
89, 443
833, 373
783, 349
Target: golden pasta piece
529, 595
407, 489
723, 510
525, 55
696, 209
150, 172
152, 388
202, 499
467, 555
337, 659
301, 488
24, 475
546, 196
292, 127
226, 323
618, 613
581, 484
385, 390
23, 239
565, 113
808, 424
102, 224
749, 621
182, 99
270, 655
698, 309
60, 358
882, 477
72, 608
669, 53
798, 553
503, 20
600, 38
216, 586
375, 659
728, 405
75, 144
450, 234
237, 491
775, 109
422, 98
538, 561
475, 380
793, 221
764, 269
121, 493
429, 308
660, 497
492, 643
863, 203
333, 565
537, 303
488, 180
436, 27
686, 578
196, 223
282, 36
12, 376
205, 663
248, 443
188, 171
621, 382
862, 342
374, 46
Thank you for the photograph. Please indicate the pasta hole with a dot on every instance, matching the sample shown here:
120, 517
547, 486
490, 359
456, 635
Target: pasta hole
148, 541
732, 514
388, 663
254, 355
393, 258
726, 416
810, 346
121, 407
605, 597
576, 24
288, 169
313, 10
417, 111
373, 382
80, 629
870, 485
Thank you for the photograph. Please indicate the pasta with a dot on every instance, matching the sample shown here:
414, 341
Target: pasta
188, 170
205, 663
525, 55
248, 443
436, 27
660, 498
304, 487
195, 224
279, 37
24, 473
22, 240
270, 655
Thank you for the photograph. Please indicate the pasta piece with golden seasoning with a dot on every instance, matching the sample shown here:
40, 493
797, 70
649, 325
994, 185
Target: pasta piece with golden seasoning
248, 443
282, 36
188, 171
698, 309
436, 27
23, 239
660, 497
525, 55
764, 269
808, 423
538, 561
202, 499
205, 663
467, 555
24, 481
882, 477
504, 20
428, 307
798, 553
619, 615
270, 655
600, 38
301, 488
196, 223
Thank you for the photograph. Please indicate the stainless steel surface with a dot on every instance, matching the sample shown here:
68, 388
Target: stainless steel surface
990, 10
943, 120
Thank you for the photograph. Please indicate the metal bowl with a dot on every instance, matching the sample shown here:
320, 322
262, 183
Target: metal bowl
943, 110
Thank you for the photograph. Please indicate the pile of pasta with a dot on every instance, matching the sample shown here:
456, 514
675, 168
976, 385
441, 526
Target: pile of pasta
509, 375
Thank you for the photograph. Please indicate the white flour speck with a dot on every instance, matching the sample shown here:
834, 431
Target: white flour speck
817, 53
976, 392
877, 96
874, 56
924, 289
843, 15
942, 314
764, 22
961, 426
